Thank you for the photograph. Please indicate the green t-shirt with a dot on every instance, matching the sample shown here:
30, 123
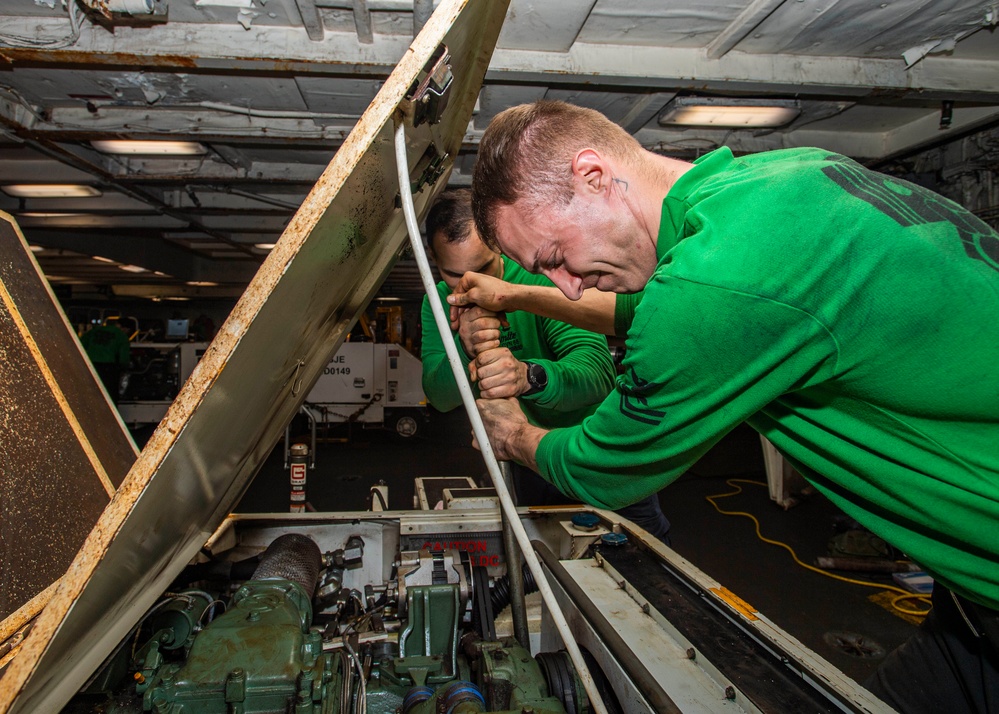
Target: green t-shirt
851, 318
106, 344
578, 362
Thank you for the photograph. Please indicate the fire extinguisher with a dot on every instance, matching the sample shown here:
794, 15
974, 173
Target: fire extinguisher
299, 469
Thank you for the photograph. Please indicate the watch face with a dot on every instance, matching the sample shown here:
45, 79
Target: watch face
537, 376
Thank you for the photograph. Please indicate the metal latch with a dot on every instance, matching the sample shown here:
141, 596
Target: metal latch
429, 168
429, 94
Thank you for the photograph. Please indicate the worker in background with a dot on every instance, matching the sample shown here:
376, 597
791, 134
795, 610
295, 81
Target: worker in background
848, 316
559, 373
108, 349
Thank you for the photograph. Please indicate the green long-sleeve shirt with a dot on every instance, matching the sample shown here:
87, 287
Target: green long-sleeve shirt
578, 362
849, 317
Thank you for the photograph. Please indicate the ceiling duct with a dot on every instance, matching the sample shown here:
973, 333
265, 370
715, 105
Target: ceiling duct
109, 8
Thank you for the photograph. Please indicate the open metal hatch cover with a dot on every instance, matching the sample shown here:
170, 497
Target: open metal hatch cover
251, 381
63, 448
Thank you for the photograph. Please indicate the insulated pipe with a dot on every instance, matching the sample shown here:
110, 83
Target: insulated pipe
492, 465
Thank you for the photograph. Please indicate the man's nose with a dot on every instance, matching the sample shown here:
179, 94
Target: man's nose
570, 285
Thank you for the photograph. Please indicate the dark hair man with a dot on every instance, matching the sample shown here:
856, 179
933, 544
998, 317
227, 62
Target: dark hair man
557, 371
849, 317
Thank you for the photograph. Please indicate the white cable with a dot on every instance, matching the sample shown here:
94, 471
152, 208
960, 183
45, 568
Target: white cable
52, 43
465, 389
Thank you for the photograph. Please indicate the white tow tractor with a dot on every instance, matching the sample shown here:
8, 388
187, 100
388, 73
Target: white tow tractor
371, 384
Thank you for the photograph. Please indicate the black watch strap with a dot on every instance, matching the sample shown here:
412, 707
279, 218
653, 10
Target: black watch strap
537, 378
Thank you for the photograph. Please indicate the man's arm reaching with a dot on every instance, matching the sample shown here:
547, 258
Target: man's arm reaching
594, 311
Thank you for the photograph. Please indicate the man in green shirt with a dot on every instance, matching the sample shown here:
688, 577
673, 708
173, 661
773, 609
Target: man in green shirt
558, 372
849, 317
108, 348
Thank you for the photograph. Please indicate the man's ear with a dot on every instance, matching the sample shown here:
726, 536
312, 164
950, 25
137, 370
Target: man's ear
590, 169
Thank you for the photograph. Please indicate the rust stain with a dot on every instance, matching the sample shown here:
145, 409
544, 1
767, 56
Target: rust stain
23, 55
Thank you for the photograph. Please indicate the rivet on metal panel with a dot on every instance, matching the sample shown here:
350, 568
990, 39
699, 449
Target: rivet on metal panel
730, 692
691, 653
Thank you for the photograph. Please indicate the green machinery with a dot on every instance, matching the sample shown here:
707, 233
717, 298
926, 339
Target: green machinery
420, 643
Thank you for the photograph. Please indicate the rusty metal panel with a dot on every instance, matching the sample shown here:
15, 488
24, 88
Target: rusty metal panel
63, 449
295, 313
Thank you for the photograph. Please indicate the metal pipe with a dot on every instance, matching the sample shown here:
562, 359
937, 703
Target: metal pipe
492, 466
518, 607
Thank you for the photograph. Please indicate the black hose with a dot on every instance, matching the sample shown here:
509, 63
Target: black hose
500, 595
650, 688
293, 557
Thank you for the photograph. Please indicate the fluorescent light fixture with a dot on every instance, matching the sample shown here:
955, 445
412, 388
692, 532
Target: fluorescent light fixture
202, 283
102, 259
133, 268
50, 190
49, 214
150, 148
729, 113
159, 274
36, 248
264, 246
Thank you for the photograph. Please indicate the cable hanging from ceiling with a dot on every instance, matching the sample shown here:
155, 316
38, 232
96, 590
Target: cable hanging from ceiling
51, 43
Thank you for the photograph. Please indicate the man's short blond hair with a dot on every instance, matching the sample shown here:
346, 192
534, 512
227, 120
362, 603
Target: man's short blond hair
527, 152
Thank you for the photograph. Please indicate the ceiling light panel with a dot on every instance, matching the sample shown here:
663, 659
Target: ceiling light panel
729, 113
51, 190
150, 148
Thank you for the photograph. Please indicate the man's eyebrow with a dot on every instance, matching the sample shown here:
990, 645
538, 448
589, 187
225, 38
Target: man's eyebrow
480, 269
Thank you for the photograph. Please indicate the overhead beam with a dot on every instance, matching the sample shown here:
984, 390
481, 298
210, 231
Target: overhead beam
755, 13
670, 68
84, 160
863, 145
77, 123
926, 131
218, 47
546, 26
362, 22
149, 252
310, 18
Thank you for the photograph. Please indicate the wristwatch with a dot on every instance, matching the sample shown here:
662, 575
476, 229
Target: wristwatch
537, 378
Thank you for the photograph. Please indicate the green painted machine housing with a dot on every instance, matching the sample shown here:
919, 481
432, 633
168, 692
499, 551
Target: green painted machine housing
260, 656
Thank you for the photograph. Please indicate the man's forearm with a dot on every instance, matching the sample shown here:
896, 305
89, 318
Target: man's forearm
594, 311
522, 447
512, 437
